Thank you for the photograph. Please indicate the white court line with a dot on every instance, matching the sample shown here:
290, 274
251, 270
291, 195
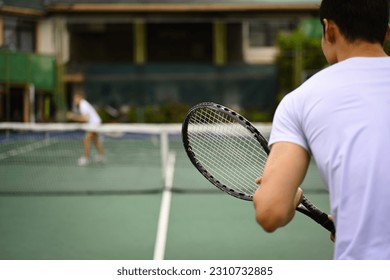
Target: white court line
27, 148
162, 228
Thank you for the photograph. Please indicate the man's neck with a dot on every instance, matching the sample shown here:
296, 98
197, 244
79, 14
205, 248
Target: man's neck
359, 49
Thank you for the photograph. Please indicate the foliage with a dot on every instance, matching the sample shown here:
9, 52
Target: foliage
299, 56
166, 113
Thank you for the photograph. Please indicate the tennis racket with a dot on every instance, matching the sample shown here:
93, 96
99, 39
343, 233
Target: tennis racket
231, 153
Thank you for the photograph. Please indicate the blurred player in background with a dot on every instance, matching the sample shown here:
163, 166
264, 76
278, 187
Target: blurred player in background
341, 117
87, 114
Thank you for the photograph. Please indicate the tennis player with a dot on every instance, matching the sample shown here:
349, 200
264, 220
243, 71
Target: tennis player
341, 117
88, 115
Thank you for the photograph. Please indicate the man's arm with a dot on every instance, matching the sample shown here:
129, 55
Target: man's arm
279, 195
76, 118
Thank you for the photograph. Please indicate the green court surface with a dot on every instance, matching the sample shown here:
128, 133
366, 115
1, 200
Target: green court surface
112, 211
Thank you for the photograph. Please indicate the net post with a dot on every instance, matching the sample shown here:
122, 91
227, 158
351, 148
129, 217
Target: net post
31, 93
164, 150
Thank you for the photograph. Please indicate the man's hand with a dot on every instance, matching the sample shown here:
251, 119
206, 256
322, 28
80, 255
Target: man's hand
69, 116
332, 235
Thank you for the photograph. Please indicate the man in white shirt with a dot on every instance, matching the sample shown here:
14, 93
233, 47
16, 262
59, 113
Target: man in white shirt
341, 117
89, 115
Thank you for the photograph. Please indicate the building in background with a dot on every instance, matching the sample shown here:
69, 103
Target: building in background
132, 56
28, 81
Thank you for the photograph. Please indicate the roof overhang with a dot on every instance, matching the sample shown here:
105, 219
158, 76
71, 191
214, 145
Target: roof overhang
14, 10
178, 7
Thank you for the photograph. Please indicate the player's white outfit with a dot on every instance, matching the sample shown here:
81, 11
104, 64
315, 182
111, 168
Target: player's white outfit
341, 116
86, 109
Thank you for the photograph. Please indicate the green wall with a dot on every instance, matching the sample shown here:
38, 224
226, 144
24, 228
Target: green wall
24, 68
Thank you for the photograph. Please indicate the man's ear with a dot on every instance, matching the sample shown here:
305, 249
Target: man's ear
330, 30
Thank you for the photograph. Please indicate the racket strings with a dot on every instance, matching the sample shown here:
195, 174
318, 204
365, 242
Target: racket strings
220, 171
226, 149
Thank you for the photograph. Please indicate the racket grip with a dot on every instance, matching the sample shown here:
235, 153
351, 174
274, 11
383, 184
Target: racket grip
319, 216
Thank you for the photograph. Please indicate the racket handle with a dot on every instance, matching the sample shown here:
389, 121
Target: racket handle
318, 216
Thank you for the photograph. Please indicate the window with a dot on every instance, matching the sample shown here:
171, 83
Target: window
180, 43
260, 38
101, 43
19, 34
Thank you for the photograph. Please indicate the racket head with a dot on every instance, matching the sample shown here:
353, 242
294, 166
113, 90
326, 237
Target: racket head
213, 138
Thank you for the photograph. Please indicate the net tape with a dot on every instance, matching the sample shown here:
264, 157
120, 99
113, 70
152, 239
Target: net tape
42, 159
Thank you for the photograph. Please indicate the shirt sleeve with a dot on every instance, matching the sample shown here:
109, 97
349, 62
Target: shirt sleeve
287, 125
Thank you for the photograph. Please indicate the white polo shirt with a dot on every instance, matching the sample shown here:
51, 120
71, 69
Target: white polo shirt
341, 116
86, 109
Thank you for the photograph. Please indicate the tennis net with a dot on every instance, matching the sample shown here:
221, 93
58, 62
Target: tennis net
42, 159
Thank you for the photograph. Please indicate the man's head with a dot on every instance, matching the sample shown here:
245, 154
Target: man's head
349, 23
365, 20
77, 97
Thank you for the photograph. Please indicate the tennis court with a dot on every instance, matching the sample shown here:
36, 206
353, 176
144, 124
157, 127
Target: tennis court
145, 202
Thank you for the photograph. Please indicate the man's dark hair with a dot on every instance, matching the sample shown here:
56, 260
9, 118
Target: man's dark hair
358, 19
